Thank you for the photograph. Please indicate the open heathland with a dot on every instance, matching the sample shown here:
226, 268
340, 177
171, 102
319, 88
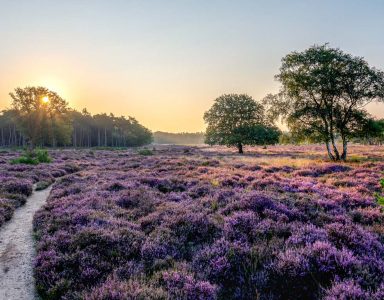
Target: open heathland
206, 223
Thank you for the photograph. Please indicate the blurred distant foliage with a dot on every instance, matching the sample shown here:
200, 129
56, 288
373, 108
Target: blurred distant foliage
238, 120
34, 122
183, 138
324, 92
372, 133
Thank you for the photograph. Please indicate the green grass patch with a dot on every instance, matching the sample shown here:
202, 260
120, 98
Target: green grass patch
356, 159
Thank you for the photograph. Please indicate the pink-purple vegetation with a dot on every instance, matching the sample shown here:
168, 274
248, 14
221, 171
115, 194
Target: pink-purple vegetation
190, 223
17, 180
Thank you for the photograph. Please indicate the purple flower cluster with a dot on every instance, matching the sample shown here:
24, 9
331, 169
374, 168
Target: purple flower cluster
16, 181
206, 224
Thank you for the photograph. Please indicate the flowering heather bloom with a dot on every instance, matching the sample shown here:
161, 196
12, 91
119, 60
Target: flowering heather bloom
276, 223
347, 290
13, 185
16, 181
180, 285
113, 289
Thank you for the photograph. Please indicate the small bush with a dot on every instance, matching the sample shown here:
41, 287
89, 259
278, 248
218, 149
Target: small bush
145, 152
42, 156
33, 158
25, 160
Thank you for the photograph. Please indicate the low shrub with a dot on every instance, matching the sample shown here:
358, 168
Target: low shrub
25, 160
145, 152
42, 185
42, 156
33, 158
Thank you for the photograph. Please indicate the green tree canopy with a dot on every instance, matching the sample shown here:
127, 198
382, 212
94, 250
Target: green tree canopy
237, 120
41, 113
324, 92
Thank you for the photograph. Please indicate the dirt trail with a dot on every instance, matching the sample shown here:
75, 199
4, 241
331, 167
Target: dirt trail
17, 251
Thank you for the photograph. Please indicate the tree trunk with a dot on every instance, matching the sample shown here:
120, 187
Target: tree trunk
335, 151
330, 155
345, 148
240, 147
31, 146
9, 135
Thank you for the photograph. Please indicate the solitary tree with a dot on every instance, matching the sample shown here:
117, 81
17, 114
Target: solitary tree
41, 113
324, 94
237, 120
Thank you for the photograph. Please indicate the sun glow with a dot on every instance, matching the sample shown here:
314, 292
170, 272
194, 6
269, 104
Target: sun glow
45, 99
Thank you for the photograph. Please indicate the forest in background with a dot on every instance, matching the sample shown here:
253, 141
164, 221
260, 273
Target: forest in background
77, 129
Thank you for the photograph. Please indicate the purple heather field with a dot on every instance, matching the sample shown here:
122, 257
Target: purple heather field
205, 223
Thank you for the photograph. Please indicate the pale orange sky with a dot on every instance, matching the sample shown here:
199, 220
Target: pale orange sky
164, 62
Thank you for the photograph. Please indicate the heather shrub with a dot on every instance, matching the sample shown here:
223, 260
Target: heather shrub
241, 226
6, 210
15, 199
159, 246
165, 185
139, 202
17, 186
237, 268
71, 168
198, 226
42, 185
16, 180
97, 252
114, 289
313, 267
181, 285
346, 290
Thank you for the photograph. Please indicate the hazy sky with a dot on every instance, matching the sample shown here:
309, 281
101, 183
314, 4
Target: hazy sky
164, 62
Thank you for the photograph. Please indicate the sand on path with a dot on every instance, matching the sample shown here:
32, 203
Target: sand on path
17, 251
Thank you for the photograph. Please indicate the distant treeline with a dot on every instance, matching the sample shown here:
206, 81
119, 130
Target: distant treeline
183, 138
77, 129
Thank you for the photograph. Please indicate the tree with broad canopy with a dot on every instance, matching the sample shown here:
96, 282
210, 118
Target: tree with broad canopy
238, 120
40, 112
324, 94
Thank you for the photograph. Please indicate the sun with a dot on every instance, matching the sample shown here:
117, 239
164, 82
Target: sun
45, 99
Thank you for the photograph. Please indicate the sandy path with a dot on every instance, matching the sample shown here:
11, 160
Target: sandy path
17, 251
